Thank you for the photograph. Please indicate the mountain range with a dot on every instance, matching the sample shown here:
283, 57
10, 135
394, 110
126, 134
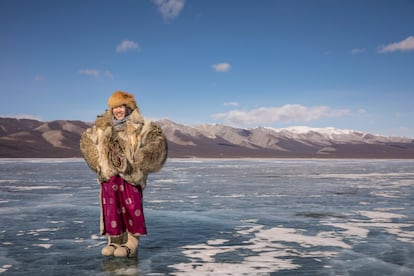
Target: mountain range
26, 138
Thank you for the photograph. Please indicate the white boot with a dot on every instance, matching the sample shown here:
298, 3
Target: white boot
128, 249
113, 243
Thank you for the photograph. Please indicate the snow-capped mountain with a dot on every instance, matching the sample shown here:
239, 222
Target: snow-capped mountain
31, 138
330, 134
220, 140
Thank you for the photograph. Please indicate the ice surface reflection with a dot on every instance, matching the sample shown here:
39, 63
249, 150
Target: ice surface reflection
216, 217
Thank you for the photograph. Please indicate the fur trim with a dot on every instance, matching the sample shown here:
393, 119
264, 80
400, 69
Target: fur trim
139, 147
153, 149
122, 98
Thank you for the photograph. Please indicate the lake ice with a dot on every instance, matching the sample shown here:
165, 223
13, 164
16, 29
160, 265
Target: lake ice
216, 217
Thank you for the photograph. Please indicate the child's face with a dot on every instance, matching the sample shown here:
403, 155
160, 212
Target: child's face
119, 112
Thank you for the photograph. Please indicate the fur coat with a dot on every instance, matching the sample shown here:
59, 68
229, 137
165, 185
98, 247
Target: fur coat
136, 149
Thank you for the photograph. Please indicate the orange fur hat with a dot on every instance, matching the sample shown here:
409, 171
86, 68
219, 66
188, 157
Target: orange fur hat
122, 98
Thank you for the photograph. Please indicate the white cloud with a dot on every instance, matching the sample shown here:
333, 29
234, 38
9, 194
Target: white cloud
362, 111
39, 78
95, 73
127, 45
89, 72
357, 51
231, 104
221, 67
404, 45
169, 9
22, 116
108, 74
287, 113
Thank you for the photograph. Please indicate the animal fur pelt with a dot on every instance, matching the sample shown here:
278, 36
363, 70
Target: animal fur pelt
138, 148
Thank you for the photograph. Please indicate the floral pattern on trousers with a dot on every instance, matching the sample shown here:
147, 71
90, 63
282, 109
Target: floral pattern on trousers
122, 207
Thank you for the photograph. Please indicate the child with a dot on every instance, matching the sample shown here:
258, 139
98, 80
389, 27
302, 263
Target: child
123, 148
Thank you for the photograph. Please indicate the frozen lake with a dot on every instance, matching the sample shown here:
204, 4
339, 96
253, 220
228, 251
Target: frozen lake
216, 217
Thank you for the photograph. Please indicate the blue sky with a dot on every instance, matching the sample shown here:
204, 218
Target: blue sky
246, 63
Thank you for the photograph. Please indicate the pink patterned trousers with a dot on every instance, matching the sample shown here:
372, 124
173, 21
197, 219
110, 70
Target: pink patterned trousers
122, 207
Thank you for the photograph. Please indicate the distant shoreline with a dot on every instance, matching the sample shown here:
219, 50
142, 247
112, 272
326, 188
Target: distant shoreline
217, 158
60, 139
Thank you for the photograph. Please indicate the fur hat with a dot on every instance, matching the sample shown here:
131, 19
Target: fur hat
122, 98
